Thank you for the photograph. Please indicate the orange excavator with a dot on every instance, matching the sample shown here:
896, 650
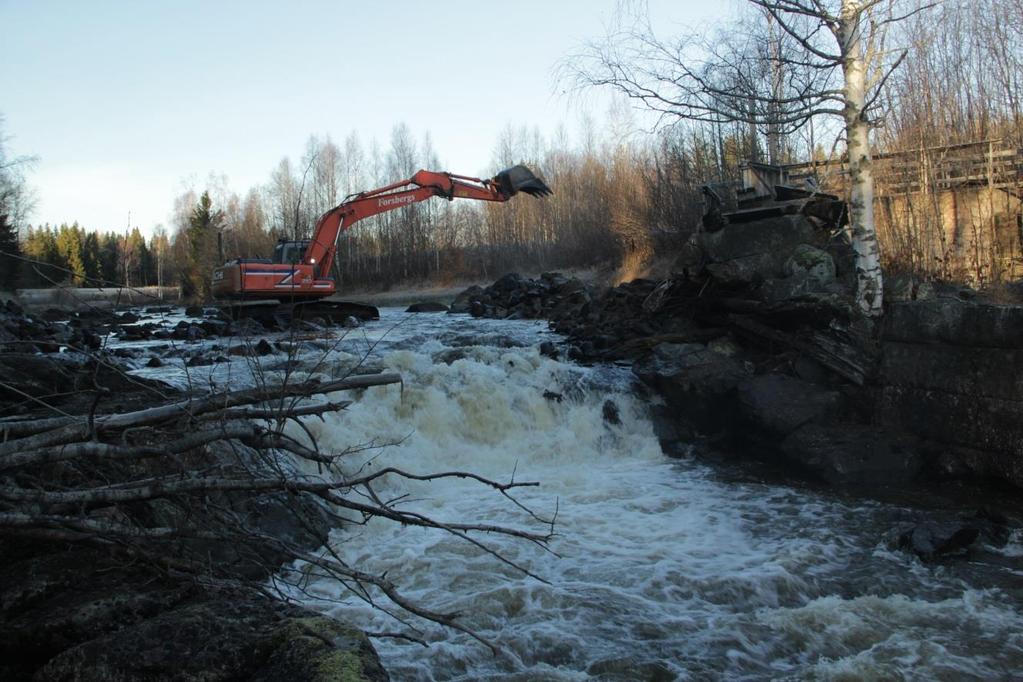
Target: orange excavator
300, 270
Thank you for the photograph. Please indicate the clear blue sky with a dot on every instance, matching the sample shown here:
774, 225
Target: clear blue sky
123, 102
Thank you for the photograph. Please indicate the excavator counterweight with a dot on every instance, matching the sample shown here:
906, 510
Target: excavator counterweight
302, 269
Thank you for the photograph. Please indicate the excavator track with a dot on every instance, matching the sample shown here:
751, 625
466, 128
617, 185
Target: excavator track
284, 313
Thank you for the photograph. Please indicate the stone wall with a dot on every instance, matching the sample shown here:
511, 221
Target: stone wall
952, 374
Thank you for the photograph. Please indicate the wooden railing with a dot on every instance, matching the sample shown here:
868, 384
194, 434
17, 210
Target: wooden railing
990, 163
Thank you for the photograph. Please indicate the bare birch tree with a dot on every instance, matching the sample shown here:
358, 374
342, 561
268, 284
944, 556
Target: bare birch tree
825, 58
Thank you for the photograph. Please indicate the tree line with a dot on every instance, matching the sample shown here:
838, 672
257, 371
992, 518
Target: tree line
69, 254
760, 90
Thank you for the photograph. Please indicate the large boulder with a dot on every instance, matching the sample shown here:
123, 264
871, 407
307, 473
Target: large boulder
810, 275
745, 251
810, 262
778, 404
699, 384
509, 283
745, 269
463, 302
930, 540
54, 602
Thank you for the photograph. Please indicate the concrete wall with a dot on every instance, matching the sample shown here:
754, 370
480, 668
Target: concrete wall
952, 375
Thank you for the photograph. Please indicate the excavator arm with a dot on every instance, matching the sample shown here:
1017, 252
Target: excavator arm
420, 187
309, 278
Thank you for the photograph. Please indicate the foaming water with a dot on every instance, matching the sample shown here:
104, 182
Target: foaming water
661, 569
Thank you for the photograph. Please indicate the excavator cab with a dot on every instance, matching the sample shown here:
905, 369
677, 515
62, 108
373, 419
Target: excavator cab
288, 252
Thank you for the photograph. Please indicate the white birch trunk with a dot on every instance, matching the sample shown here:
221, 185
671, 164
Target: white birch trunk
869, 285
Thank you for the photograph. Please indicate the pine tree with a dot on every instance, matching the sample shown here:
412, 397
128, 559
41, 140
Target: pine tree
90, 253
48, 265
135, 257
69, 245
203, 226
109, 258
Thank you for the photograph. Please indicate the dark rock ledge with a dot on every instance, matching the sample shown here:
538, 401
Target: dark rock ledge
757, 348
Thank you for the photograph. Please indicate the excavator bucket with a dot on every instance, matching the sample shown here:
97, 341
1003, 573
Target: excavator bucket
521, 179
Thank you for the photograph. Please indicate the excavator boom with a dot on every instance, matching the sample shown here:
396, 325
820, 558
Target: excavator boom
302, 268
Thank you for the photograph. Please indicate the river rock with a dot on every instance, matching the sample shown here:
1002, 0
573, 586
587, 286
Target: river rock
611, 414
186, 331
509, 283
263, 348
464, 300
549, 349
932, 539
215, 327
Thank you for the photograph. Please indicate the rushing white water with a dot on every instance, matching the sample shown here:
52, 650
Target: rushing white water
661, 569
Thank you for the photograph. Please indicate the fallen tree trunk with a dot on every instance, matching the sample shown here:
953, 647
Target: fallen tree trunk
194, 407
185, 486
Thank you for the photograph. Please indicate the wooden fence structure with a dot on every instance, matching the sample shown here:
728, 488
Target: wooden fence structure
952, 212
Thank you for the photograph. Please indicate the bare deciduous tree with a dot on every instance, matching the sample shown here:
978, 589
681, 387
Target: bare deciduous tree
814, 58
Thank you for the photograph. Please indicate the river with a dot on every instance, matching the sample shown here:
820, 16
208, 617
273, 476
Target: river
661, 568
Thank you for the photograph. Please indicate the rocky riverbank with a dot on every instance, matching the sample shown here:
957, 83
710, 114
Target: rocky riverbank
755, 346
89, 609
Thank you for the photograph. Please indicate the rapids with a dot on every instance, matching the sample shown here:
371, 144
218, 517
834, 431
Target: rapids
661, 568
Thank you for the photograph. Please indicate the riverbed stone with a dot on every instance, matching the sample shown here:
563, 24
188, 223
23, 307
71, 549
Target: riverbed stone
931, 539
